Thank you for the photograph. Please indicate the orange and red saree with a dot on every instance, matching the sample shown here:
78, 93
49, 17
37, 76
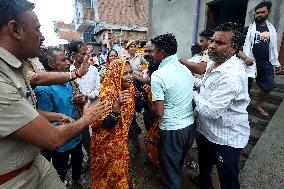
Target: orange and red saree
109, 147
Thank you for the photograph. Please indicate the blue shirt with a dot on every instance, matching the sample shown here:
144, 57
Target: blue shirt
58, 98
173, 84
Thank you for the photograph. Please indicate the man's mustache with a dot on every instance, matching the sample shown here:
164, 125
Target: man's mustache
212, 53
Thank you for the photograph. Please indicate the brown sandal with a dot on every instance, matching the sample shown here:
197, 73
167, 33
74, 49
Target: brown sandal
262, 112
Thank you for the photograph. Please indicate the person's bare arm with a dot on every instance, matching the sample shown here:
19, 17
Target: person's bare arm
158, 107
54, 116
53, 78
248, 61
199, 68
50, 78
41, 133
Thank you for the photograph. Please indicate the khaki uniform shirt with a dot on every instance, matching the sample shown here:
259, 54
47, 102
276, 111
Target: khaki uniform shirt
17, 109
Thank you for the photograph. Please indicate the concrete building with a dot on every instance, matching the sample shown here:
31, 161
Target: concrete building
66, 31
186, 18
109, 22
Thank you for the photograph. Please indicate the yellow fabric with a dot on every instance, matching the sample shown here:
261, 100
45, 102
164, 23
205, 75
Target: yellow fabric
109, 147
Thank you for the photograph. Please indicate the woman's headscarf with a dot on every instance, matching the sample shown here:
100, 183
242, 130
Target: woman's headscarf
111, 88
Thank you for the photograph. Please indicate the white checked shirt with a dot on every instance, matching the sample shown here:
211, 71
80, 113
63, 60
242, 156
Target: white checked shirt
222, 104
89, 84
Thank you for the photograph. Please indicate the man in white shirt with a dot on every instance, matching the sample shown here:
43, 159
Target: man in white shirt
261, 55
200, 68
221, 104
89, 84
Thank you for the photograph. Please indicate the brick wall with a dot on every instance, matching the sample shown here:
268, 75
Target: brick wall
61, 25
70, 35
66, 31
109, 36
124, 12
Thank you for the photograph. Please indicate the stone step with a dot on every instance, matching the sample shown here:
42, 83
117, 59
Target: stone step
270, 108
247, 149
257, 122
275, 97
279, 80
242, 161
264, 166
255, 134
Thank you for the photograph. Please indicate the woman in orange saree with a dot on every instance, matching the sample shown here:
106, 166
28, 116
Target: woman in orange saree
109, 145
151, 137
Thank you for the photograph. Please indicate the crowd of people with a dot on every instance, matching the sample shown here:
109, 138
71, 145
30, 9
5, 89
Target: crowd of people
82, 100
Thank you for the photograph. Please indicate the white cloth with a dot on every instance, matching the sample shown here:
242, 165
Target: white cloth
222, 104
136, 63
195, 59
89, 84
248, 46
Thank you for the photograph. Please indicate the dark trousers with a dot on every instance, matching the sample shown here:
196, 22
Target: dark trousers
60, 162
86, 141
225, 158
148, 118
173, 146
47, 154
250, 81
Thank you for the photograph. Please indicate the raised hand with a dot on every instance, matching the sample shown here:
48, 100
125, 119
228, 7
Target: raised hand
94, 112
123, 97
85, 65
79, 99
248, 61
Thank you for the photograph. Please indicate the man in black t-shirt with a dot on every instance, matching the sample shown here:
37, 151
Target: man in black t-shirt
261, 48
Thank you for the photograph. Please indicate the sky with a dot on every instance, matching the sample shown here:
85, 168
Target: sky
49, 11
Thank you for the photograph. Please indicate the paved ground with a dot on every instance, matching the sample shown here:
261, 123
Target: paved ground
143, 174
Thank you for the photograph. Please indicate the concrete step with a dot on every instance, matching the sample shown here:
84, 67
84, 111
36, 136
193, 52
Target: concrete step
255, 134
264, 166
257, 122
246, 151
275, 97
279, 80
270, 108
242, 161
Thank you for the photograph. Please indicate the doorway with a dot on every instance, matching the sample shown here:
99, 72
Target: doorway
221, 11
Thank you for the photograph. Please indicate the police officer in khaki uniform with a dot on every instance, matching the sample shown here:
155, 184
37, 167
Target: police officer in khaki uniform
23, 131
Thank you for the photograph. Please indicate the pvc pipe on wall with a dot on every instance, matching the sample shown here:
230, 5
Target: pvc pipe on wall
195, 21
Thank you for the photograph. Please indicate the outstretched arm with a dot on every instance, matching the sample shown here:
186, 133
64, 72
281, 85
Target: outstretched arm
199, 68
